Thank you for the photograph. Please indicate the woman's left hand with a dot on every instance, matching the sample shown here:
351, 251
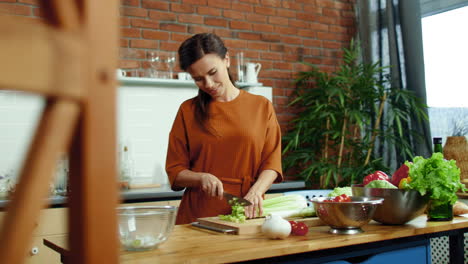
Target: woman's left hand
256, 209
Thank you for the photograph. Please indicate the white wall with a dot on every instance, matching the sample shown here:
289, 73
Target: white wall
145, 112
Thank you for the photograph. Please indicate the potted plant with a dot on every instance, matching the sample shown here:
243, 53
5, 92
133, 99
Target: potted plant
341, 120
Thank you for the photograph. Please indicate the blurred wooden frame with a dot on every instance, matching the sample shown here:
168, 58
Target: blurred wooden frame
70, 60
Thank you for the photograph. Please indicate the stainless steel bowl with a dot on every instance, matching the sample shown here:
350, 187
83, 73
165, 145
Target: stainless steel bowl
346, 217
399, 206
145, 227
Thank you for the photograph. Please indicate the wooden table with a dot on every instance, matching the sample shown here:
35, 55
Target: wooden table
188, 244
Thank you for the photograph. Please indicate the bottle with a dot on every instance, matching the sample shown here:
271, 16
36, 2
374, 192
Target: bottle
439, 211
437, 141
126, 165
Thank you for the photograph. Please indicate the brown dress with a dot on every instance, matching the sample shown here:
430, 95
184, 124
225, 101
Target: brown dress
245, 139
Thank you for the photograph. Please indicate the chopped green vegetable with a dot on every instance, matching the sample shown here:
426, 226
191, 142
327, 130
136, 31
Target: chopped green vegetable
435, 176
293, 205
381, 184
341, 190
238, 213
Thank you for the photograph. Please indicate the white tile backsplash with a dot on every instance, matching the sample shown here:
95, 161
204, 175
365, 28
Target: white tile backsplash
145, 115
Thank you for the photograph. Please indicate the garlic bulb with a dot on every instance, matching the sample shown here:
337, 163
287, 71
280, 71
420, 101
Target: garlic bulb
275, 227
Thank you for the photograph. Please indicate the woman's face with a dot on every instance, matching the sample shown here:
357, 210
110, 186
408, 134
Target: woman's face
211, 76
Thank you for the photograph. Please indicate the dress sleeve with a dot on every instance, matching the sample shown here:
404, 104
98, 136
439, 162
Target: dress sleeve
271, 154
177, 158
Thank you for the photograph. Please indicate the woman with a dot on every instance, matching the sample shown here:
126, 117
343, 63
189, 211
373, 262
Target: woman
224, 139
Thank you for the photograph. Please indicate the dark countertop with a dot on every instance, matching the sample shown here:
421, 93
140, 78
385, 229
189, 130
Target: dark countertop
163, 193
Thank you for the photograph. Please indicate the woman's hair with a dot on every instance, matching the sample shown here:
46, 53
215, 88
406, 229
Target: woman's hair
190, 51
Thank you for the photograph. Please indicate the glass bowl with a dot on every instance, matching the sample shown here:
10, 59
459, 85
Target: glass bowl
144, 228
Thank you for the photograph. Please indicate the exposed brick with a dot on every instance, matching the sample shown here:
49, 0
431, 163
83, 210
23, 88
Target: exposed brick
14, 9
270, 56
215, 22
319, 27
223, 32
306, 33
282, 66
225, 4
327, 36
169, 45
265, 10
190, 18
327, 20
210, 11
251, 1
153, 34
277, 47
130, 32
155, 4
144, 23
133, 11
162, 16
331, 12
173, 27
286, 13
195, 29
124, 21
292, 5
179, 37
182, 8
256, 18
299, 23
240, 25
128, 64
275, 20
338, 29
233, 14
131, 2
31, 2
246, 8
9, 1
258, 45
263, 28
327, 3
271, 37
234, 43
143, 43
195, 2
286, 30
272, 3
249, 35
331, 44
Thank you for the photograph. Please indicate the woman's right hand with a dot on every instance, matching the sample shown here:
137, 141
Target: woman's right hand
211, 185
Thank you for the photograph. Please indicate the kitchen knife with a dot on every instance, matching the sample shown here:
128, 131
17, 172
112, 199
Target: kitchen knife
230, 198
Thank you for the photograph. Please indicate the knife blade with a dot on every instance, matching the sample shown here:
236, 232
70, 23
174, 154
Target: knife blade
230, 198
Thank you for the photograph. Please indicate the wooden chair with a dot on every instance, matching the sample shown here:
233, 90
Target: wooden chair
70, 60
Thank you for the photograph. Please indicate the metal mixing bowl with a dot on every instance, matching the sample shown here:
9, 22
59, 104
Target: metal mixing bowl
399, 206
145, 227
346, 217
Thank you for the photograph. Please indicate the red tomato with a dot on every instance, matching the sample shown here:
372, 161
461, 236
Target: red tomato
342, 198
293, 225
301, 229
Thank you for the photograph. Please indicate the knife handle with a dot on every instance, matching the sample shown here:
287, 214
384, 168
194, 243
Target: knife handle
212, 228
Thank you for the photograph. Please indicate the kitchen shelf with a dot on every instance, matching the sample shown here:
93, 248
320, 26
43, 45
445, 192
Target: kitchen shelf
141, 81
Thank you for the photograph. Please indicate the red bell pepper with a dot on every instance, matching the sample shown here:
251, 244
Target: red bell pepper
377, 175
399, 174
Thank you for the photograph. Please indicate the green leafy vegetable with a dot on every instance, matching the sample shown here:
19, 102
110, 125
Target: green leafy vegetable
337, 191
435, 176
381, 184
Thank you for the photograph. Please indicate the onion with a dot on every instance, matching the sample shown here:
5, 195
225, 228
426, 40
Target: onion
275, 227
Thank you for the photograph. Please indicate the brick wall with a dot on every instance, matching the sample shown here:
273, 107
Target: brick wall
275, 33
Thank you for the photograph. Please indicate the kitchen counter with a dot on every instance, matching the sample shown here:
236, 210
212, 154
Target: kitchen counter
163, 193
188, 244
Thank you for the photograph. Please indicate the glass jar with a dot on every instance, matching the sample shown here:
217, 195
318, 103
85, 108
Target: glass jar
439, 211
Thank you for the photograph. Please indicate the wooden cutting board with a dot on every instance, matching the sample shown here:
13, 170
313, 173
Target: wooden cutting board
250, 226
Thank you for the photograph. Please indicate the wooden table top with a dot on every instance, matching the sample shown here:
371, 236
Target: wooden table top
188, 244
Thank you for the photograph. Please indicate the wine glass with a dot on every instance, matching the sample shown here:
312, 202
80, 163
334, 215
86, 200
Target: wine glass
170, 61
155, 61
